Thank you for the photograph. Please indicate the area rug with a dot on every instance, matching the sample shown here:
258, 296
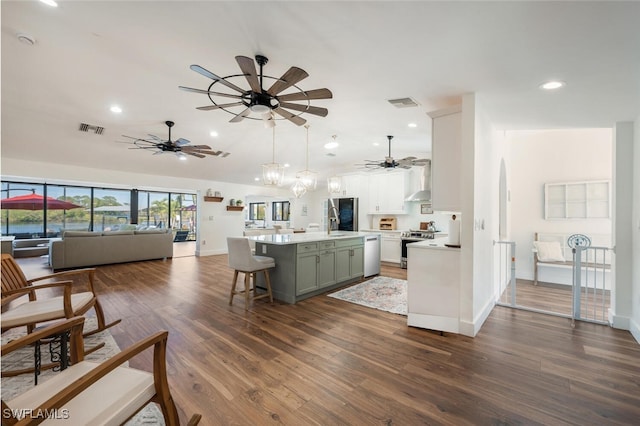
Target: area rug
383, 293
23, 358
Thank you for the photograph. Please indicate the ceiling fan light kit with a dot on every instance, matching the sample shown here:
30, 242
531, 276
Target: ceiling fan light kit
256, 99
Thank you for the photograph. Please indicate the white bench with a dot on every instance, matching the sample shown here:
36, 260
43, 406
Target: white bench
593, 260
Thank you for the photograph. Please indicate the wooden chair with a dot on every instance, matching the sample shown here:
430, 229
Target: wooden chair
90, 392
242, 260
35, 311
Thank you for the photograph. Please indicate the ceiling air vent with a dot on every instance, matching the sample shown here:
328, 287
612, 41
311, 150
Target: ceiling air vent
330, 154
84, 127
403, 102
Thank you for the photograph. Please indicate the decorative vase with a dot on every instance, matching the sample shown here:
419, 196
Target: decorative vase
232, 202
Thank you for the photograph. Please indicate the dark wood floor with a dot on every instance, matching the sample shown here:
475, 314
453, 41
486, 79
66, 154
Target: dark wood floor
328, 362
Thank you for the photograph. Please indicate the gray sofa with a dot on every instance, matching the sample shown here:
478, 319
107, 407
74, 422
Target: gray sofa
79, 249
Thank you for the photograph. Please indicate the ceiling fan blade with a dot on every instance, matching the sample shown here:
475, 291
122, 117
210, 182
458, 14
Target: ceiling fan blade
288, 79
240, 116
195, 154
322, 112
195, 147
212, 107
226, 154
215, 153
212, 76
208, 92
155, 138
181, 142
311, 94
248, 68
293, 118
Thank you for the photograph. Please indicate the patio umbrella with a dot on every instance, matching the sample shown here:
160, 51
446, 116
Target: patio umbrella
35, 202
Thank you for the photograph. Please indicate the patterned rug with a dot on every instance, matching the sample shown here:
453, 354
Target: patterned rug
23, 358
384, 293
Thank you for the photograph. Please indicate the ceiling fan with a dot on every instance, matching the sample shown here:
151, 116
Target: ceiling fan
390, 163
180, 146
264, 102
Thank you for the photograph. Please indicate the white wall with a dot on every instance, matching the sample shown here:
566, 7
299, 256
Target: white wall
635, 258
484, 226
622, 267
547, 156
467, 206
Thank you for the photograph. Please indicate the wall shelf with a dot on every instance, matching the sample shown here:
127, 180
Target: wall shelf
214, 199
235, 208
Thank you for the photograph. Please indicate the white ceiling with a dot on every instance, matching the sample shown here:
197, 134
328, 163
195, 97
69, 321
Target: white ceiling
89, 55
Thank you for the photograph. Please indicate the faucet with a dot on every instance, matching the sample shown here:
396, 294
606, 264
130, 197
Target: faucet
336, 217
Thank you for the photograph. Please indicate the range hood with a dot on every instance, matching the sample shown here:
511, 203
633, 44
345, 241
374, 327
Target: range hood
424, 195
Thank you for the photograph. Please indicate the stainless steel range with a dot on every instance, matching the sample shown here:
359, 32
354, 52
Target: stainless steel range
413, 236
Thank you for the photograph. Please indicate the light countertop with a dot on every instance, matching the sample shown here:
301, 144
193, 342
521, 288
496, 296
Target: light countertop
306, 237
436, 243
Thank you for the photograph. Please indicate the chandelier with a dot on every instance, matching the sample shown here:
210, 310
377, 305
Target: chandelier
308, 178
273, 173
334, 183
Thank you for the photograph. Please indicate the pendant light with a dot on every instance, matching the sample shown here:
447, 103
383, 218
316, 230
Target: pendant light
309, 178
334, 183
273, 173
298, 188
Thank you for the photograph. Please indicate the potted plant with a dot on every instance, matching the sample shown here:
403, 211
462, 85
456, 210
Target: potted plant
239, 203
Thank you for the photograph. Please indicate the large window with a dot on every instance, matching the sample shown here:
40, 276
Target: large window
257, 211
111, 209
40, 210
77, 219
280, 211
23, 209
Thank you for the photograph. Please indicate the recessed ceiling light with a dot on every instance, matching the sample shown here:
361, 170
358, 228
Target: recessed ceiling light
331, 145
213, 134
257, 179
49, 3
287, 165
552, 85
413, 125
116, 109
376, 144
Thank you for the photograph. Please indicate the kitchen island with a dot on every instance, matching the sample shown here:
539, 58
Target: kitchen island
311, 263
433, 285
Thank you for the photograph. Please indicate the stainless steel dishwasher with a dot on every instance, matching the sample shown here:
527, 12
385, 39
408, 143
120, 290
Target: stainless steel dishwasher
371, 255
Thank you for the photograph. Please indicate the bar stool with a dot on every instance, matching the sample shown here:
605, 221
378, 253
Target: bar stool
241, 260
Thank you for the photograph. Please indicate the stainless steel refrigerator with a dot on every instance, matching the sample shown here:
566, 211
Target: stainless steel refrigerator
347, 213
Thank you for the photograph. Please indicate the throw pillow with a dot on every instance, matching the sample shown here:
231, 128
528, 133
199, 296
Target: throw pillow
549, 251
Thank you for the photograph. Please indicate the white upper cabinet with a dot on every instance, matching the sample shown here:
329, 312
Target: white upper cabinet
351, 186
387, 191
446, 158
